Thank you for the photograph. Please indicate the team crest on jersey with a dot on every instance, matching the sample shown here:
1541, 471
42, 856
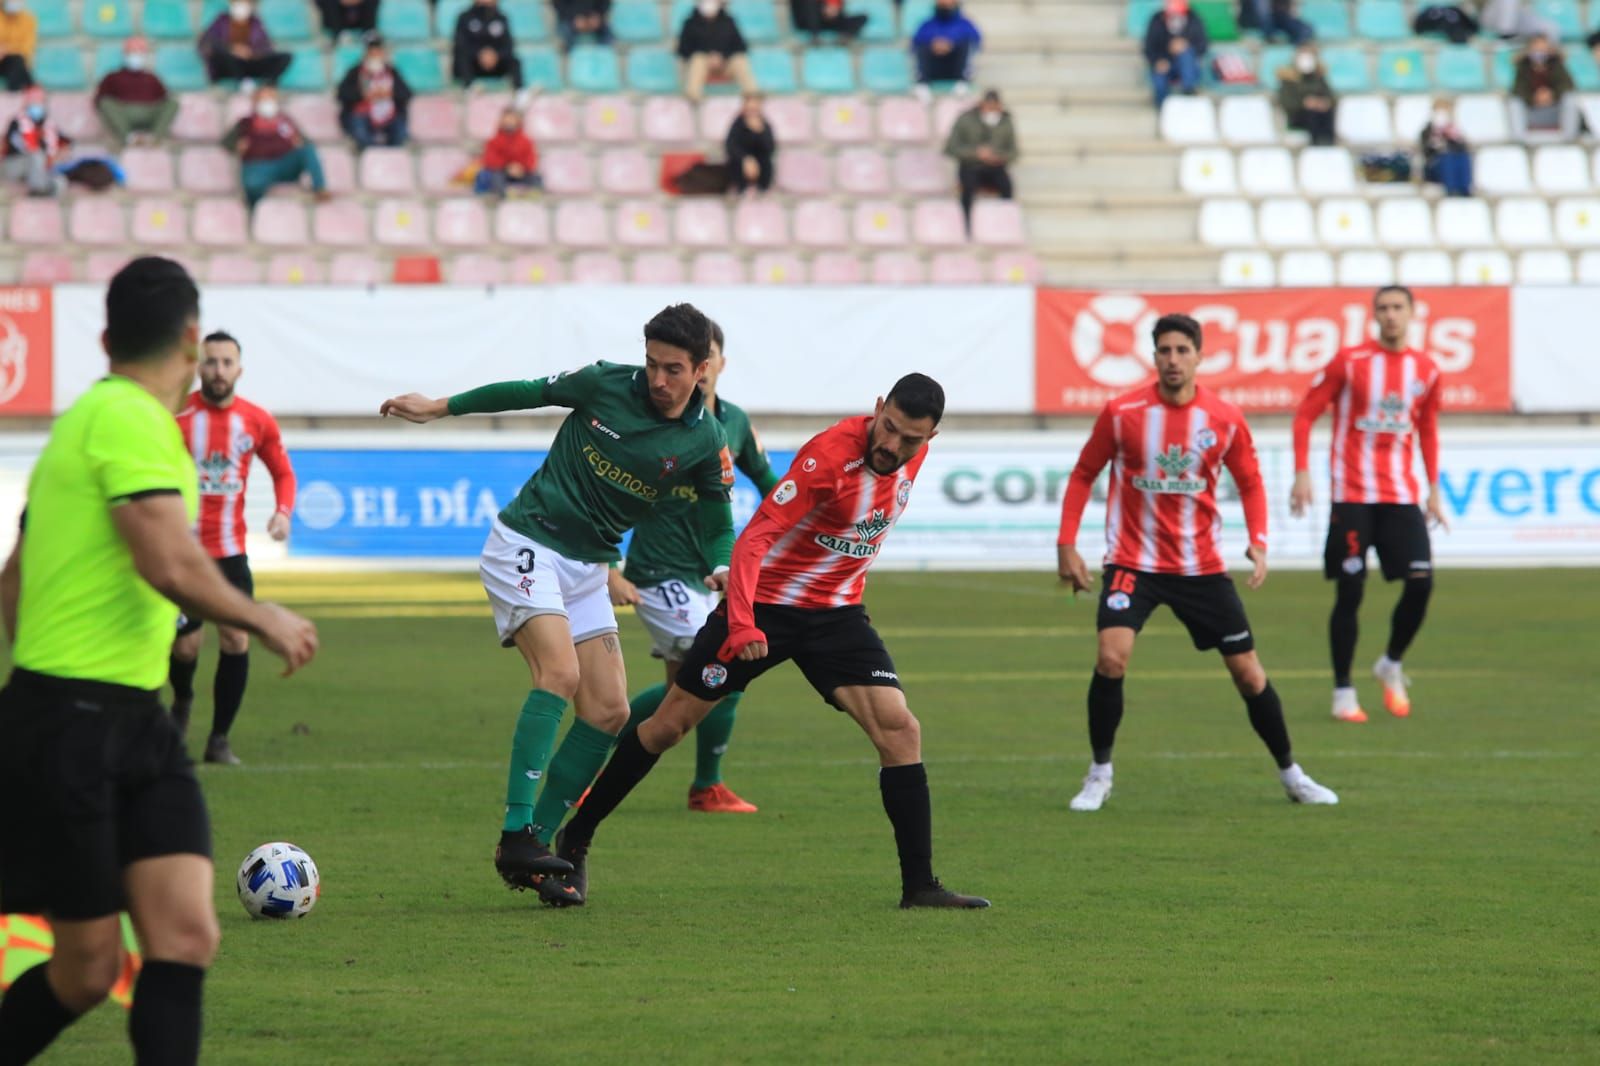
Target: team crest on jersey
1118, 601
1393, 416
903, 494
1206, 439
714, 676
218, 475
669, 465
1175, 463
1417, 389
525, 586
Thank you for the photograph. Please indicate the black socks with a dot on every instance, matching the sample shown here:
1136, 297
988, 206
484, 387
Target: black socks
181, 673
164, 1023
30, 1017
1408, 615
628, 766
1343, 626
910, 811
227, 691
1266, 717
1105, 714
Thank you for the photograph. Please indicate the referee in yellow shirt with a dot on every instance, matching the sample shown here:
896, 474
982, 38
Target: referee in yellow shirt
99, 807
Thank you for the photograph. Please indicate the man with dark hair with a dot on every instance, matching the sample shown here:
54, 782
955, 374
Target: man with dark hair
223, 432
1384, 391
795, 593
1168, 443
637, 436
100, 811
483, 46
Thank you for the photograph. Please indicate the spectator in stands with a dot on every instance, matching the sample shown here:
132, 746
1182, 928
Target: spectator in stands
944, 46
1543, 105
1304, 94
1274, 17
575, 18
1175, 44
236, 47
1446, 159
340, 16
751, 147
33, 147
713, 49
272, 150
510, 160
19, 37
825, 16
983, 142
484, 47
373, 99
133, 103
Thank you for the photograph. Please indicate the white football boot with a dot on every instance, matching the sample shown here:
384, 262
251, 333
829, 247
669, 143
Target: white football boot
1096, 787
1301, 789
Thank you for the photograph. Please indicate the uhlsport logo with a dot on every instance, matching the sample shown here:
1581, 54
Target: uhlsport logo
1175, 463
1105, 339
714, 676
13, 359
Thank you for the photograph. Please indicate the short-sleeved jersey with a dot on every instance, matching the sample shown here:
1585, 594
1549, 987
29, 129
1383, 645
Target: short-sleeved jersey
85, 613
1380, 398
668, 544
614, 458
223, 440
1166, 460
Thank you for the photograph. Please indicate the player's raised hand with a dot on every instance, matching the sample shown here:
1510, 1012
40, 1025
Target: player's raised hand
1258, 555
288, 636
1072, 570
747, 644
1300, 494
1436, 518
624, 593
415, 407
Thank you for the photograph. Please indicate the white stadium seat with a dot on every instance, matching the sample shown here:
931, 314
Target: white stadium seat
1483, 268
1227, 224
1544, 268
1578, 221
1522, 222
1463, 223
1364, 120
1246, 270
1207, 172
1561, 168
1502, 170
1411, 113
1425, 268
1287, 223
1365, 269
1482, 118
1589, 268
1405, 222
1188, 120
1305, 268
1589, 106
1345, 223
1247, 120
1327, 172
1266, 171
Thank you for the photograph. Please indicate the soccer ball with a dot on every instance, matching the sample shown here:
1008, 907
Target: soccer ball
278, 880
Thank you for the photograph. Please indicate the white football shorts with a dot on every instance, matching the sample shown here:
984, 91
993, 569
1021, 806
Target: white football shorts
673, 612
525, 579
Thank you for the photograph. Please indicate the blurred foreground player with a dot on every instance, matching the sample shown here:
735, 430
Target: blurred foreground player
99, 807
1167, 444
798, 571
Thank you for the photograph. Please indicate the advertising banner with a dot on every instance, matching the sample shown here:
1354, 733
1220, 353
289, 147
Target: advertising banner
1556, 370
1261, 348
26, 350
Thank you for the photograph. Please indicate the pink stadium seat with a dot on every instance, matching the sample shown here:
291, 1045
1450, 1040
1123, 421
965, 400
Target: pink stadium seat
702, 223
862, 172
923, 172
483, 115
581, 224
904, 120
101, 267
626, 172
791, 118
938, 224
280, 223
760, 224
897, 268
47, 268
597, 268
803, 172
544, 269
339, 169
435, 119
401, 224
220, 223
821, 224
718, 268
836, 268
35, 222
97, 221
387, 170
956, 268
461, 223
340, 224
148, 169
998, 223
295, 268
609, 119
236, 107
667, 120
524, 225
476, 270
717, 114
438, 168
551, 118
945, 113
208, 169
657, 268
778, 268
843, 120
567, 171
879, 224
74, 113
160, 222
641, 224
199, 119
316, 115
233, 270
1015, 268
356, 268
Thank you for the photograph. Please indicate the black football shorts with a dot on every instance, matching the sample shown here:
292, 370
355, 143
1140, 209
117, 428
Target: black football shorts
1397, 530
1208, 606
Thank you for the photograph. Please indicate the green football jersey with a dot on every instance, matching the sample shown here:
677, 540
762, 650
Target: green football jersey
614, 458
668, 544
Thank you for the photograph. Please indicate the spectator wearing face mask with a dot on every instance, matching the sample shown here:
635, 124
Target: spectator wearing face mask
348, 16
510, 160
374, 99
236, 47
1175, 44
483, 46
272, 151
825, 16
133, 103
983, 142
1304, 94
578, 18
34, 145
712, 47
1446, 157
1543, 106
19, 37
751, 147
944, 46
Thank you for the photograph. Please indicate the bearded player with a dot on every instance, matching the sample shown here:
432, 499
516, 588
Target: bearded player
795, 593
223, 433
1167, 444
668, 560
1382, 393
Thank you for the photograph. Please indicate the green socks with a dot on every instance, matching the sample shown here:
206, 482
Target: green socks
711, 741
644, 705
530, 754
572, 771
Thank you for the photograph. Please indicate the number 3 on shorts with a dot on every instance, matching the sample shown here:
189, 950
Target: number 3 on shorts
524, 560
1123, 581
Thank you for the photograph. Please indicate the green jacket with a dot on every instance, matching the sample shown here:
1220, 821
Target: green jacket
1557, 77
1294, 87
969, 134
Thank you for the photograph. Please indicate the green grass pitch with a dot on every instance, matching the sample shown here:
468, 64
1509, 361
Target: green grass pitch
1446, 911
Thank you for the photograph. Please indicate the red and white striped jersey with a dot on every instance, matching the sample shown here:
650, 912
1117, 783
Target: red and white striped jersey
222, 441
814, 537
1166, 460
1380, 398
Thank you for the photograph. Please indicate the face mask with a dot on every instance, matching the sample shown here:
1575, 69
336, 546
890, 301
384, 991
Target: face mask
267, 109
36, 112
992, 118
1441, 118
1305, 64
710, 8
1538, 57
134, 60
239, 12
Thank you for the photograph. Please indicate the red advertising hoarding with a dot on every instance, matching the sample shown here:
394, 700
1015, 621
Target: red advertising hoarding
25, 350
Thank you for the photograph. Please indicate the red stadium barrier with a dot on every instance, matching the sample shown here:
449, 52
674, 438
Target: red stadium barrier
25, 350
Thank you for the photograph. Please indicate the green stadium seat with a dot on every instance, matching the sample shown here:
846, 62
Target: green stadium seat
774, 70
421, 66
1329, 18
593, 68
1459, 68
1274, 57
404, 20
445, 13
168, 20
914, 13
1503, 68
1382, 20
757, 19
308, 71
60, 66
289, 22
886, 70
1347, 69
527, 20
54, 19
828, 70
1401, 70
1218, 17
180, 67
681, 9
346, 56
652, 70
637, 21
1581, 65
880, 19
541, 68
1564, 13
106, 18
107, 57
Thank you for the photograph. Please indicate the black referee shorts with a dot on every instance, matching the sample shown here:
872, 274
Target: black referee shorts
1208, 606
93, 777
236, 568
1397, 530
833, 648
